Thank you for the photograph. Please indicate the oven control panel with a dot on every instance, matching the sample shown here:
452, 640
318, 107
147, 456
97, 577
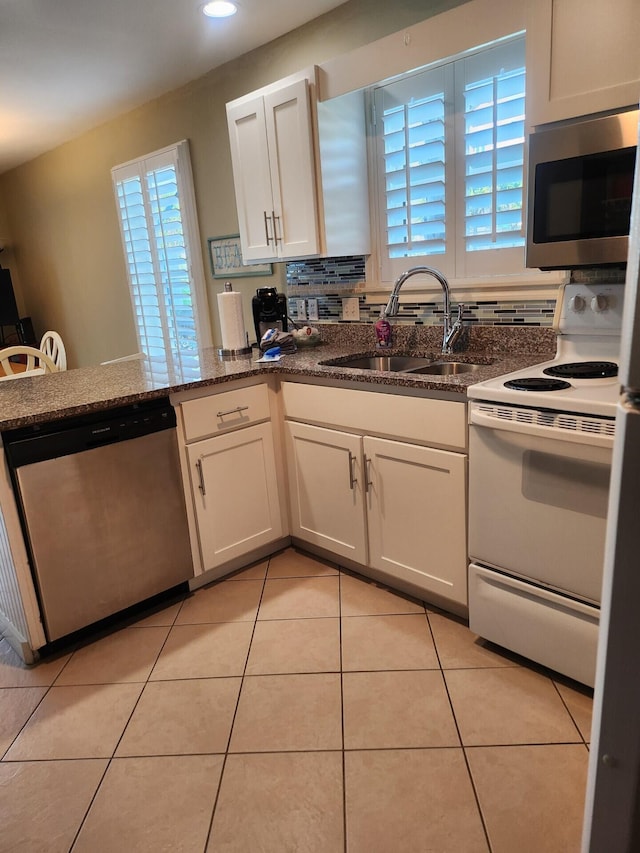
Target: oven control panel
589, 309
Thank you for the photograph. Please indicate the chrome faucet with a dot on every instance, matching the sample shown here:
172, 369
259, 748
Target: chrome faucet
451, 331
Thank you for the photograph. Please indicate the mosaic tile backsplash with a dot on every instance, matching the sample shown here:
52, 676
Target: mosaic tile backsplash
329, 280
320, 272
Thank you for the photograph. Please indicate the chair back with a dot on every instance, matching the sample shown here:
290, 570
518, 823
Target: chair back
51, 344
36, 361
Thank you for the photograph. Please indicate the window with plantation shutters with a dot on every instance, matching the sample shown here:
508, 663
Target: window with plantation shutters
494, 138
156, 208
414, 157
450, 146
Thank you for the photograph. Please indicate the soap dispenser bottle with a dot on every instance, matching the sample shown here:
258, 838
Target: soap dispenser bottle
383, 332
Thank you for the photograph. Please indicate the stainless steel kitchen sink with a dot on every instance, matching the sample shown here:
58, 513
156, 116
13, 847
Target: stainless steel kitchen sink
394, 363
406, 364
448, 368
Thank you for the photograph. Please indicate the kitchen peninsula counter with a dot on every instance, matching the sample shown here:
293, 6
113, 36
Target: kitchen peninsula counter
37, 399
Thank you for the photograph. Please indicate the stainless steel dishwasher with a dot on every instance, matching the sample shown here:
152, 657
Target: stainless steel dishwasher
102, 509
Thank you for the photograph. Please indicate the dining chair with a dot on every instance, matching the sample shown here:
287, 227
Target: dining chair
52, 345
36, 361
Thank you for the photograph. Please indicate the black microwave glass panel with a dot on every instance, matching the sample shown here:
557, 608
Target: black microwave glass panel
585, 197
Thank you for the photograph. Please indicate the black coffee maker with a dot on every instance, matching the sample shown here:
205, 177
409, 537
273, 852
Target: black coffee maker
269, 311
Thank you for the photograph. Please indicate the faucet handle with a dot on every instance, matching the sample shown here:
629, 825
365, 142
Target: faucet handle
452, 331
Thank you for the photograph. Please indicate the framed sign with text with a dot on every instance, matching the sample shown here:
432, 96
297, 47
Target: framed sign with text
225, 257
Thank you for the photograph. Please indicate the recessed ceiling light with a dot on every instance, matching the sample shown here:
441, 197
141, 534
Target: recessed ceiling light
220, 9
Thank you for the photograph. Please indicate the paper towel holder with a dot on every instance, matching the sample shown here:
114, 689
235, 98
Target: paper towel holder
242, 352
235, 353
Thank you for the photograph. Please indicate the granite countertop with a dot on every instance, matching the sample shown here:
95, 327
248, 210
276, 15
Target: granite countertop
499, 350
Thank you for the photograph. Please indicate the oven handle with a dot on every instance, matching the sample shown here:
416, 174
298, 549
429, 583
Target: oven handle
483, 419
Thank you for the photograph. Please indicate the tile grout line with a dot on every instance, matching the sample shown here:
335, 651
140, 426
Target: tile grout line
344, 765
212, 800
235, 712
110, 759
464, 752
40, 701
570, 714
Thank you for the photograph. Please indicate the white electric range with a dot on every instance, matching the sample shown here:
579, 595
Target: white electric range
540, 443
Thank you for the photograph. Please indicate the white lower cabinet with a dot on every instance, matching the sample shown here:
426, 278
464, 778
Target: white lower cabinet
326, 489
235, 493
416, 511
396, 507
364, 484
233, 474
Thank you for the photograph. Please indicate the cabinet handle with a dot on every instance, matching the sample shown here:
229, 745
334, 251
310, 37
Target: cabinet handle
275, 230
201, 477
352, 478
367, 481
235, 411
266, 228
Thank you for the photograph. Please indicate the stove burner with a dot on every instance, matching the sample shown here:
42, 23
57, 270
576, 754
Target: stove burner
583, 370
537, 383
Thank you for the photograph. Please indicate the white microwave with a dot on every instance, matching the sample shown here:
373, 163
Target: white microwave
580, 188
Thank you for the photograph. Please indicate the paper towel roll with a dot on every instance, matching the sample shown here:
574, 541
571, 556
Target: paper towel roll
234, 336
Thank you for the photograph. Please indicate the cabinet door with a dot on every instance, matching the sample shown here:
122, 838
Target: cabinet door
235, 493
326, 489
252, 178
581, 57
416, 509
292, 162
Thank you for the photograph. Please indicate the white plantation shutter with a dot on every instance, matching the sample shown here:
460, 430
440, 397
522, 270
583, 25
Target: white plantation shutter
450, 160
493, 94
412, 116
164, 267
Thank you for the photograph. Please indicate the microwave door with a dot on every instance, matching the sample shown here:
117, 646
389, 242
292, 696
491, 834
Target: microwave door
580, 192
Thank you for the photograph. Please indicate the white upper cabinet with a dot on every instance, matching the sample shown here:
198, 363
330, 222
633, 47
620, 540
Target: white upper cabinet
272, 156
290, 160
252, 178
582, 58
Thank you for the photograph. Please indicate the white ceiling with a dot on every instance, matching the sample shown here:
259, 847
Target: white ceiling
68, 65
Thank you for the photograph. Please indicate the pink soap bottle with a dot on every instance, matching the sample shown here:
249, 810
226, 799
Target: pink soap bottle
383, 331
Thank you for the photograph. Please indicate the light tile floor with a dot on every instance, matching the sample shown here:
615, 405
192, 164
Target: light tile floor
292, 707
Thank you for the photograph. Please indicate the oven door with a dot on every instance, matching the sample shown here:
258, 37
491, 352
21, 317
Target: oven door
538, 502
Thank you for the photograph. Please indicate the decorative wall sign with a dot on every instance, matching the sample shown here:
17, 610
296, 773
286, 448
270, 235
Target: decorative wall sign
225, 256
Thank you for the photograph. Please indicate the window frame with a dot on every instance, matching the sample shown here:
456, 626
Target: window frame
472, 280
